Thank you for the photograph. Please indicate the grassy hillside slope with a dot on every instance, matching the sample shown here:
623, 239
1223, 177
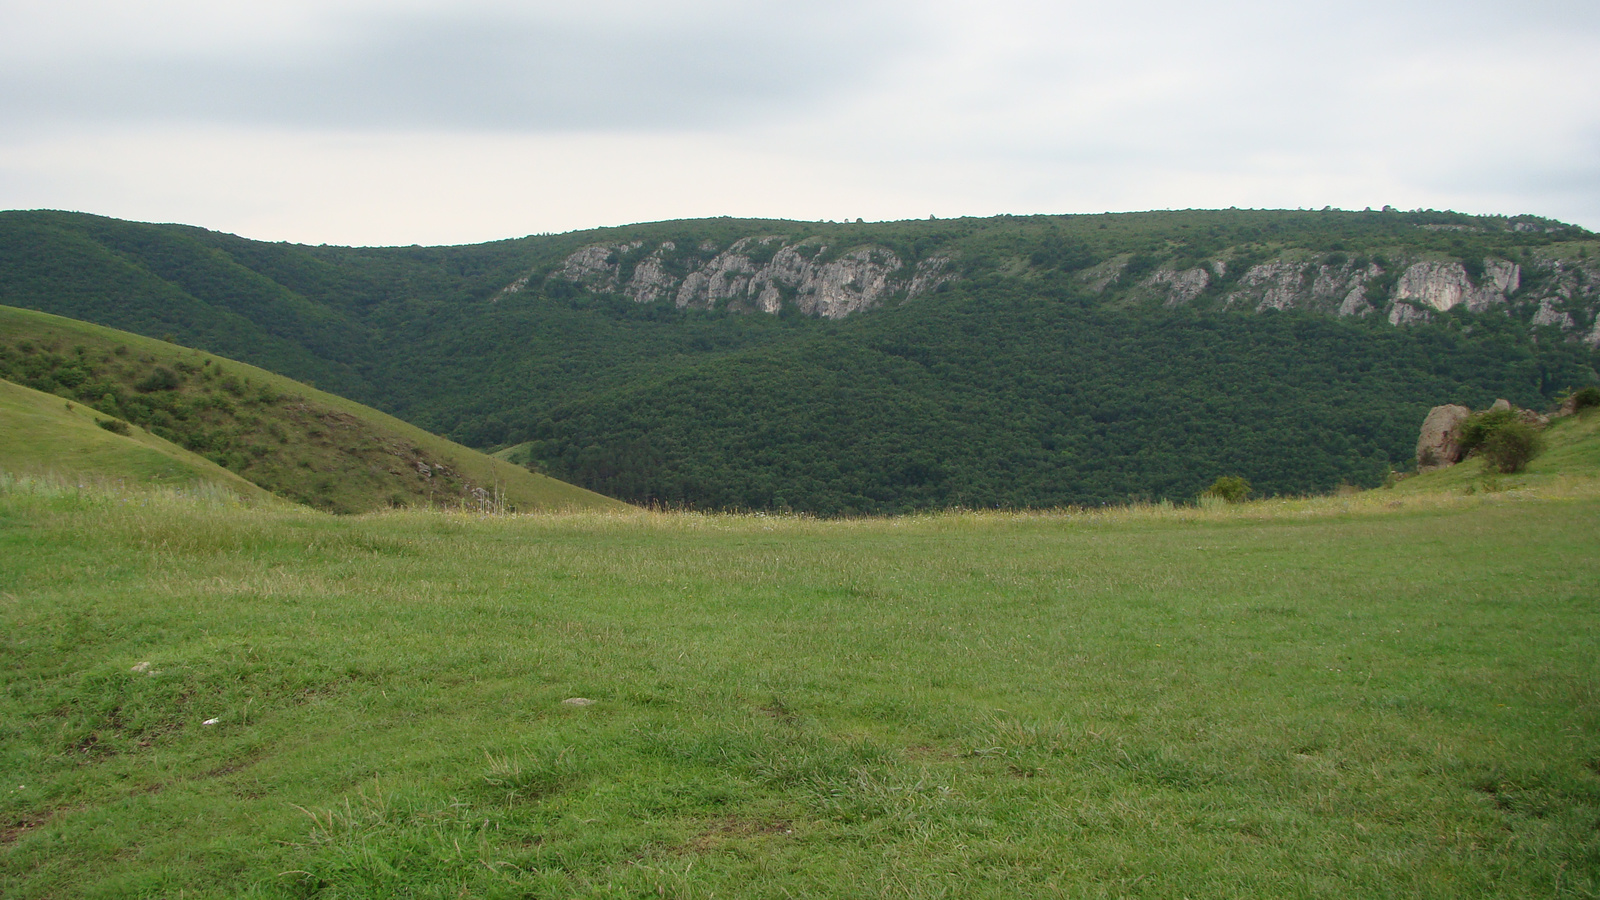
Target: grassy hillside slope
298, 442
42, 435
1370, 696
1570, 461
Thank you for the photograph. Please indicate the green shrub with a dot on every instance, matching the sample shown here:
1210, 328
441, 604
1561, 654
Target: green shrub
1587, 398
159, 379
1230, 488
115, 426
1510, 447
1477, 428
1506, 443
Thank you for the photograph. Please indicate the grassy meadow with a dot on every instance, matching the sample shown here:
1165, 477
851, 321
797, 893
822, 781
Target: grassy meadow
1378, 695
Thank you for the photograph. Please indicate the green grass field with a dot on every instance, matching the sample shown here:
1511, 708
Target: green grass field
1380, 695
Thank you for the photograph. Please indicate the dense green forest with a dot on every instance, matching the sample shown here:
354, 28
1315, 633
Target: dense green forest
1022, 401
1051, 365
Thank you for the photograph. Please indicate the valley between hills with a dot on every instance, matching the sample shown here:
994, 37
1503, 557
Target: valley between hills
766, 559
855, 368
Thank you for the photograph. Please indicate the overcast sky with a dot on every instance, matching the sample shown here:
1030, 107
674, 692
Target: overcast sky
421, 121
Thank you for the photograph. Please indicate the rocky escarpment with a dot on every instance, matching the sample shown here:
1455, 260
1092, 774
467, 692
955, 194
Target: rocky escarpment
1555, 288
1288, 284
753, 274
1545, 291
1446, 285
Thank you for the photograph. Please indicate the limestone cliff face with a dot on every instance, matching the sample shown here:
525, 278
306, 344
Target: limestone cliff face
1568, 295
1287, 283
1445, 285
1181, 287
596, 265
1548, 314
1343, 288
1406, 314
756, 274
1298, 284
1550, 290
651, 281
1543, 291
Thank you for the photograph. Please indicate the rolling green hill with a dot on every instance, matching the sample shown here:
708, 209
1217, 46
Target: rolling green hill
883, 367
40, 434
247, 424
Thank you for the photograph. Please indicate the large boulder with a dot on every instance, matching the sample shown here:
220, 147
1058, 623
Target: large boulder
1440, 442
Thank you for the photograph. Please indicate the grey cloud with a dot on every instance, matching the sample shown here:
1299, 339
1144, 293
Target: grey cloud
491, 71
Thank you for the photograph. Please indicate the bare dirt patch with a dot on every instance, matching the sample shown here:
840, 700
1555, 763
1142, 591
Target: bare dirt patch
719, 833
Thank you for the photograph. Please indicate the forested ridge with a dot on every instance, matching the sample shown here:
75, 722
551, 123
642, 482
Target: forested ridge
1022, 401
1045, 370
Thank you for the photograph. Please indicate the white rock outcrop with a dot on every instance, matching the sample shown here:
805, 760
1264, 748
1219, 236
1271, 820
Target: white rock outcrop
1338, 288
1567, 292
929, 275
856, 281
1549, 289
1402, 313
1355, 303
834, 287
1560, 291
1445, 285
650, 281
512, 288
1281, 284
596, 265
1180, 287
1549, 315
